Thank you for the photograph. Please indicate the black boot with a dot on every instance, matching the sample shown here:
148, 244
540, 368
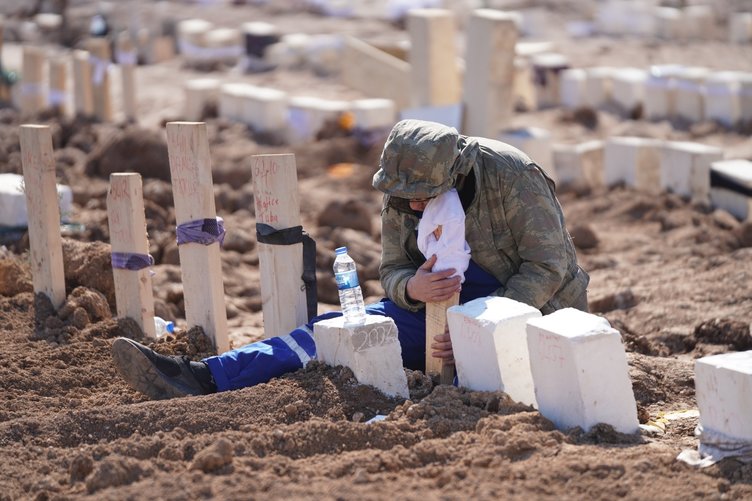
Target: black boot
160, 376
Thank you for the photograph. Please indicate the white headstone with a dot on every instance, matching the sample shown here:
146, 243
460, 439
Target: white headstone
231, 101
628, 89
689, 93
307, 115
598, 86
572, 88
722, 97
723, 384
579, 162
13, 211
264, 108
634, 161
198, 93
580, 371
685, 169
372, 351
490, 347
536, 143
660, 92
374, 113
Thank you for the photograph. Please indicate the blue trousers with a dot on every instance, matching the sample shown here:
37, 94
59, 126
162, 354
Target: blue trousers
261, 361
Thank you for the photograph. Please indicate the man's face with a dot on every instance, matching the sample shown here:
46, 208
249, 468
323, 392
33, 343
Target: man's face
419, 204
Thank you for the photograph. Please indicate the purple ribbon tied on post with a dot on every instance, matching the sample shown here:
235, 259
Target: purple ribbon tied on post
202, 231
131, 261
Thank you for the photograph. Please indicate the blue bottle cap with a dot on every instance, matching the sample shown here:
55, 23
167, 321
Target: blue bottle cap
341, 250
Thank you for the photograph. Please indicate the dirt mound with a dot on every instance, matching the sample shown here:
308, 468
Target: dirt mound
132, 150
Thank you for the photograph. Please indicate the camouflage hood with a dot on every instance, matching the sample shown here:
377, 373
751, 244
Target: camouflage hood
423, 159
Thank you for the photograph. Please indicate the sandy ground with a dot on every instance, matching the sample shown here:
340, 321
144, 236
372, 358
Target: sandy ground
674, 278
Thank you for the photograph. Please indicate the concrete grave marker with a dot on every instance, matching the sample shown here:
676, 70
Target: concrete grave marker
721, 97
660, 92
580, 371
490, 346
634, 161
536, 143
628, 88
13, 210
372, 351
579, 162
264, 108
572, 88
598, 86
307, 115
373, 114
689, 93
724, 395
200, 93
685, 169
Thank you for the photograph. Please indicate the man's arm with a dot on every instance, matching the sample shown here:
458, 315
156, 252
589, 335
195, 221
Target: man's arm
396, 268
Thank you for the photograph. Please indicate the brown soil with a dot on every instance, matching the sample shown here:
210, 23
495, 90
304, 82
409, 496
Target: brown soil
674, 278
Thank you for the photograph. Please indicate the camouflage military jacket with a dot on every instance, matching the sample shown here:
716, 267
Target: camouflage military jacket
514, 227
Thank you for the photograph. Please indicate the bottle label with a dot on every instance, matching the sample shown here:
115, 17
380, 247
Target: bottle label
346, 280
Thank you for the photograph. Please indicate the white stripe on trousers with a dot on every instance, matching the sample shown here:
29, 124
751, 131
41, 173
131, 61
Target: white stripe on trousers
294, 346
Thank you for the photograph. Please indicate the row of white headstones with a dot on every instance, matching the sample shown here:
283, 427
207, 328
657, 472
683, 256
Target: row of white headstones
570, 365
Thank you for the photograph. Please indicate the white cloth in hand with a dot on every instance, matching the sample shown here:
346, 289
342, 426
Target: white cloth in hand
445, 213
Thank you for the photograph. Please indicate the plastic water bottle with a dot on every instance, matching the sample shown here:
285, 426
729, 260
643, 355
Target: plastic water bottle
162, 326
350, 295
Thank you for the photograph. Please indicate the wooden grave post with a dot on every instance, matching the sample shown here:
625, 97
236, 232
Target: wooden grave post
125, 214
45, 243
126, 56
283, 295
58, 95
201, 267
31, 89
436, 322
99, 50
83, 93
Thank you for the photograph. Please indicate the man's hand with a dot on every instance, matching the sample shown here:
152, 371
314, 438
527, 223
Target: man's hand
442, 347
429, 287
